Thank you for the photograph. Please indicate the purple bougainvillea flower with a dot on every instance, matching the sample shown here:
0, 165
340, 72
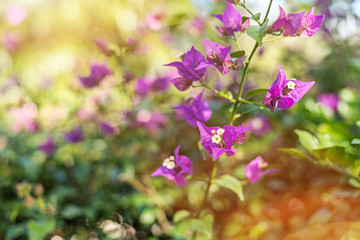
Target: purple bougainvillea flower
175, 168
259, 125
187, 69
48, 147
98, 73
310, 24
253, 169
219, 57
160, 84
329, 100
232, 20
195, 110
74, 136
285, 93
143, 85
107, 129
288, 24
217, 140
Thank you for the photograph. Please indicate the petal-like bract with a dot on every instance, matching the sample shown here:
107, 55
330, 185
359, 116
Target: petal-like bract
253, 170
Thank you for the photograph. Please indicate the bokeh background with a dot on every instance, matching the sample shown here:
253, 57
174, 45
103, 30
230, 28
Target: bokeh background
75, 162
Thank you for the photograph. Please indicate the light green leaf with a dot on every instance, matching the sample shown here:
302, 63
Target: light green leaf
181, 215
257, 32
203, 225
293, 151
257, 16
224, 93
308, 140
203, 152
237, 54
256, 92
355, 141
231, 183
71, 211
39, 229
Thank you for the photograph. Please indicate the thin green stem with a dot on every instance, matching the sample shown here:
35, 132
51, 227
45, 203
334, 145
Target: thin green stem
255, 18
215, 91
212, 175
238, 99
274, 39
267, 13
237, 42
250, 102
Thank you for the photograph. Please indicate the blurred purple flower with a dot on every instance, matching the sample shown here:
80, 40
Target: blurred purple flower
329, 100
196, 26
285, 93
98, 73
103, 47
144, 85
107, 129
48, 147
217, 140
10, 40
24, 118
154, 21
253, 169
195, 110
310, 24
219, 57
232, 20
15, 13
151, 120
288, 24
175, 168
187, 69
74, 136
259, 125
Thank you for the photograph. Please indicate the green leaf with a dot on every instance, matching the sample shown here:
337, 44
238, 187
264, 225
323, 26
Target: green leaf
71, 211
256, 92
355, 141
39, 229
257, 32
224, 93
257, 16
202, 150
237, 54
293, 151
231, 183
308, 140
181, 215
203, 225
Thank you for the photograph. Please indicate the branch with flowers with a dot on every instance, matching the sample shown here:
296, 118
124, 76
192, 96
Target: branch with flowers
219, 142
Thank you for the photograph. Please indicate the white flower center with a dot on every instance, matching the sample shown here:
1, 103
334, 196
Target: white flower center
220, 131
291, 85
169, 162
216, 139
213, 131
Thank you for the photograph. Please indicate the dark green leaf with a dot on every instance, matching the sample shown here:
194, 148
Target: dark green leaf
256, 92
231, 183
237, 54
